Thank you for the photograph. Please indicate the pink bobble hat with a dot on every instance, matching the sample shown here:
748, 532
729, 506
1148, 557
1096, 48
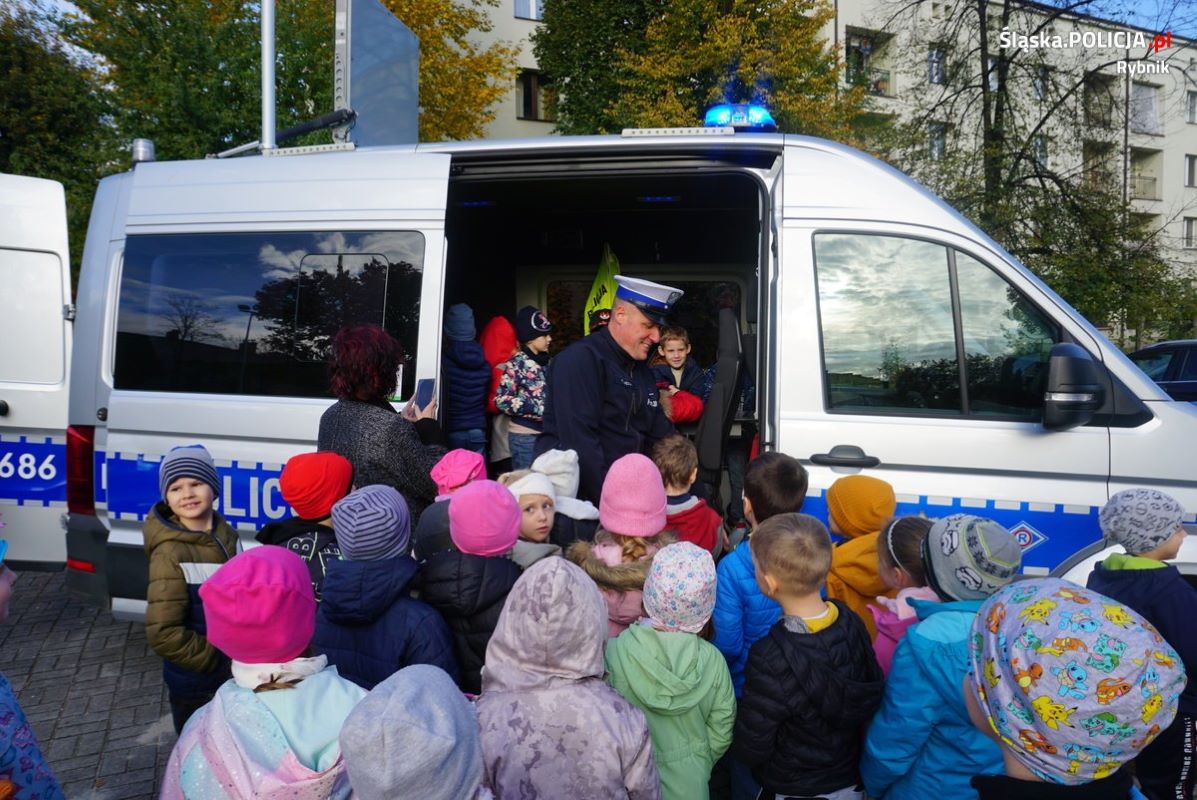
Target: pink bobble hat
633, 500
484, 519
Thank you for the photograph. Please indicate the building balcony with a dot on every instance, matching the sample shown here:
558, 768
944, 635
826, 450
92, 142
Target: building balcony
876, 82
1144, 187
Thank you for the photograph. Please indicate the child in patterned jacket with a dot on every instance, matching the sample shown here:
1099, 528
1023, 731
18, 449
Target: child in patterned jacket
521, 391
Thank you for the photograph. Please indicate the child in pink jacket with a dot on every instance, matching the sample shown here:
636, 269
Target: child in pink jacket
631, 523
900, 566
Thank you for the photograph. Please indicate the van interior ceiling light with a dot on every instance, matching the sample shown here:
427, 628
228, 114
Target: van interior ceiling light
741, 116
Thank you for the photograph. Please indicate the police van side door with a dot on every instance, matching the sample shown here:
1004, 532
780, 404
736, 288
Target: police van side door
35, 353
928, 371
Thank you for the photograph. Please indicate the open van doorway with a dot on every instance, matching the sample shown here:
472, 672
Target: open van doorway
533, 234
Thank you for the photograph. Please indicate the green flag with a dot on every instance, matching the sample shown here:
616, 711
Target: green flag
602, 291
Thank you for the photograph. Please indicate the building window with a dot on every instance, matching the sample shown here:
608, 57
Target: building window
529, 9
1144, 110
991, 73
1191, 108
536, 96
1039, 152
935, 58
1041, 82
1190, 170
1190, 235
938, 141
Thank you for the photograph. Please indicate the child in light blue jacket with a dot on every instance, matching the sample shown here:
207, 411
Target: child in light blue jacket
921, 743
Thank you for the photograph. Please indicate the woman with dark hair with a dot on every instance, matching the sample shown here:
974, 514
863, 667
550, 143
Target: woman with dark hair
384, 447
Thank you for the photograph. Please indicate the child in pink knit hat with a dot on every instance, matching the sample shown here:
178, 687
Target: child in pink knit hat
631, 531
469, 581
261, 612
455, 469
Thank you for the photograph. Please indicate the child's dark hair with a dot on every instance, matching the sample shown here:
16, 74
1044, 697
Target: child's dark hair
901, 545
775, 484
676, 459
795, 549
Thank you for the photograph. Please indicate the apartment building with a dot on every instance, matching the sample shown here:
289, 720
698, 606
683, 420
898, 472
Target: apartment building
1103, 102
1096, 100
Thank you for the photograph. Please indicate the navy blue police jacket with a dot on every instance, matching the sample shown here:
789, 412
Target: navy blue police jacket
603, 404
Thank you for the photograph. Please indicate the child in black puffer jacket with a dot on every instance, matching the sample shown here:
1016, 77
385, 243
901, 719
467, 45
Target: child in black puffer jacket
469, 582
812, 683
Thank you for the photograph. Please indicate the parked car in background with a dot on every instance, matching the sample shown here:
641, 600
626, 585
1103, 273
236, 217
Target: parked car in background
1173, 365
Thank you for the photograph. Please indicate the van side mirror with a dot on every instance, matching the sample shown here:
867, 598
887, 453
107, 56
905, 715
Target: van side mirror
1074, 388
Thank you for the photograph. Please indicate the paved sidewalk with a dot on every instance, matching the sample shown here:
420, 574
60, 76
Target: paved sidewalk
92, 689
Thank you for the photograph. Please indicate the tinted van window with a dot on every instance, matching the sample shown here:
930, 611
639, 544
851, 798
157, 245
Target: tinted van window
255, 313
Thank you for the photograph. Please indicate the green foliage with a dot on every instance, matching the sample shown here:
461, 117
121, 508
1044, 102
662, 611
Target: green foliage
51, 116
650, 63
186, 73
738, 51
578, 47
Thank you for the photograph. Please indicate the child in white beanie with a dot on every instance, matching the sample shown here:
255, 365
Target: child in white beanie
575, 519
534, 493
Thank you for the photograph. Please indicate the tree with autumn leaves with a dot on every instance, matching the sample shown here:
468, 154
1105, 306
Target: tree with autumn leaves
649, 63
185, 73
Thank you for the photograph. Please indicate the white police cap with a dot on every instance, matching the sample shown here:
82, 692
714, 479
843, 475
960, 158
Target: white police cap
653, 299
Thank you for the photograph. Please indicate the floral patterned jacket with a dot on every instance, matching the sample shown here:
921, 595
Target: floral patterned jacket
521, 390
24, 772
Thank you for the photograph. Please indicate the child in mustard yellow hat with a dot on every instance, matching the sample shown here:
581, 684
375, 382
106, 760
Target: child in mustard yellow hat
857, 508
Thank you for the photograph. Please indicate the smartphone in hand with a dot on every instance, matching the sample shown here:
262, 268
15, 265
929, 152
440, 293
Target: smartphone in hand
425, 392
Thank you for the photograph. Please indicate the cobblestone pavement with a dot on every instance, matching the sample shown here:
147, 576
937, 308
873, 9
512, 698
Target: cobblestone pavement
92, 689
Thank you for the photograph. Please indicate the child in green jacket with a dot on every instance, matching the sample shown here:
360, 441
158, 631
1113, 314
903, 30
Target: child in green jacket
678, 680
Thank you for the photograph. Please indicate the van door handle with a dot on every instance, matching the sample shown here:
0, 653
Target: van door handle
3, 408
845, 455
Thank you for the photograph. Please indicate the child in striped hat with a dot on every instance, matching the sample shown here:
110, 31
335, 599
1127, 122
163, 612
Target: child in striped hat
186, 539
368, 624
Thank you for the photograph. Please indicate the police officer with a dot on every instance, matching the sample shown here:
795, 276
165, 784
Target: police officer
601, 395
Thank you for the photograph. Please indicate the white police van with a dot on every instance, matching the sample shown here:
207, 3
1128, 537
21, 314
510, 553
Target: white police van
35, 357
884, 332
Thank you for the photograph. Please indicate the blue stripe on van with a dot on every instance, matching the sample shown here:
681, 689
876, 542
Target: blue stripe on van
1047, 536
249, 492
32, 471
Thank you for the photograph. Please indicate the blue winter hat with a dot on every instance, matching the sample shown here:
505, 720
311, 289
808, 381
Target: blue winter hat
372, 524
459, 323
188, 461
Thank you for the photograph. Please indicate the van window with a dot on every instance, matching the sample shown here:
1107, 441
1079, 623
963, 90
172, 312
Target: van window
255, 313
885, 307
32, 287
1007, 344
894, 330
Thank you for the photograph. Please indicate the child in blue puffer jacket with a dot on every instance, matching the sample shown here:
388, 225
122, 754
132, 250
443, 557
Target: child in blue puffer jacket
921, 743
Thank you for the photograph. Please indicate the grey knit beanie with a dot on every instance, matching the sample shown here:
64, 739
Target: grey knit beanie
1140, 519
372, 524
188, 461
969, 558
414, 736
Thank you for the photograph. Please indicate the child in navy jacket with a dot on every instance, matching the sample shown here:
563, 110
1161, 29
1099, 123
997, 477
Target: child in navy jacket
1147, 523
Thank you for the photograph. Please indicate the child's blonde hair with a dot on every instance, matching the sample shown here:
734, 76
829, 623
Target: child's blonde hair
508, 478
634, 548
794, 549
676, 458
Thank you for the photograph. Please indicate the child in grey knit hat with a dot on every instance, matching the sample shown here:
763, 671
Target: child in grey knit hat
1148, 525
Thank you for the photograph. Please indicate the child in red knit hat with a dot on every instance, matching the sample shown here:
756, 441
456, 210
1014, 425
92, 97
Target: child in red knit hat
311, 483
631, 530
